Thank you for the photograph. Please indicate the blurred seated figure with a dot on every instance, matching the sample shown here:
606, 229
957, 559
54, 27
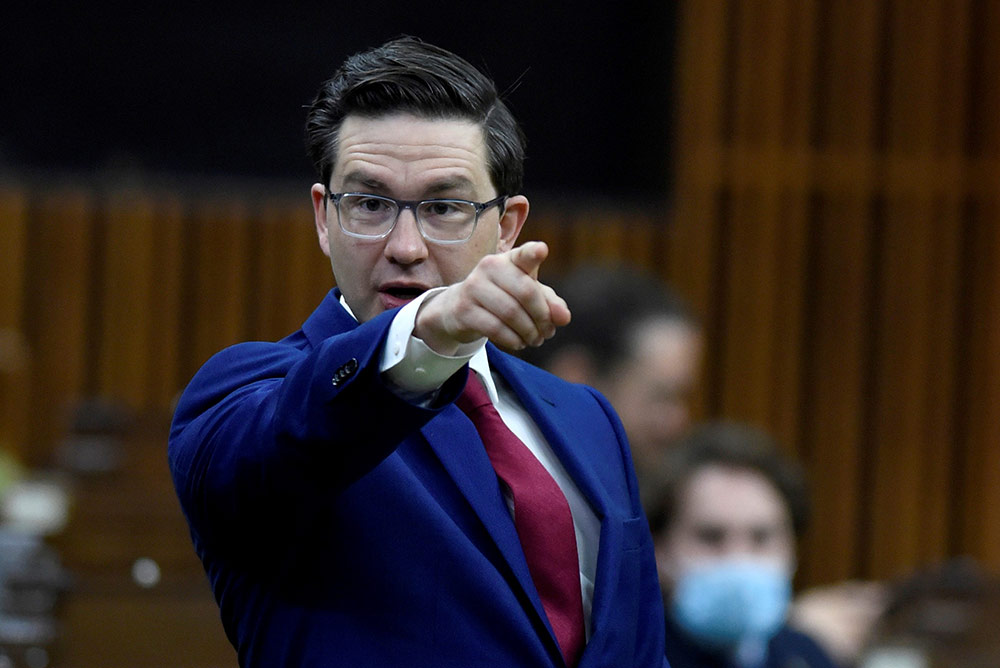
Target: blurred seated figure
840, 616
943, 617
727, 512
638, 343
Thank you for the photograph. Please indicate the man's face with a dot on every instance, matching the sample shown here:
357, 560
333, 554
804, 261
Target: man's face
652, 389
726, 513
409, 158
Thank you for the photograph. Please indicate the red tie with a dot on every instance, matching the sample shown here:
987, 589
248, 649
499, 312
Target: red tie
541, 516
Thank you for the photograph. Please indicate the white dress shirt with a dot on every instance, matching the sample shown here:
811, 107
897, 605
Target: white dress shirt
416, 372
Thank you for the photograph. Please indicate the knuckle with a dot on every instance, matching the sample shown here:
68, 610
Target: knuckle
491, 262
508, 311
525, 289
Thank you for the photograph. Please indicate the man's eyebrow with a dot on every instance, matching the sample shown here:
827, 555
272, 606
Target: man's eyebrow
460, 183
359, 180
365, 181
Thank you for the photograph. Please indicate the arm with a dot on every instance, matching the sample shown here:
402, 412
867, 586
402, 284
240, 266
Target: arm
263, 428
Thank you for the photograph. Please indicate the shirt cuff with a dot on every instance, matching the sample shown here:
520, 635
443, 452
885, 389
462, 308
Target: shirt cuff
415, 371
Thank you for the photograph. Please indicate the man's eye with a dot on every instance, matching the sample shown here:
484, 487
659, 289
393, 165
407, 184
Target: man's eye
711, 536
372, 204
442, 208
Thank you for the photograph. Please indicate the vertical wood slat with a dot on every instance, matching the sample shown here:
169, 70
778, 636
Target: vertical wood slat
948, 239
129, 253
978, 515
911, 493
15, 354
839, 303
691, 252
794, 225
751, 311
167, 321
58, 292
836, 389
897, 496
979, 482
221, 274
286, 274
13, 248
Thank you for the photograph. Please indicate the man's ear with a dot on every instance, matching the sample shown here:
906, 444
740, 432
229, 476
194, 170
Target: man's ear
320, 204
514, 214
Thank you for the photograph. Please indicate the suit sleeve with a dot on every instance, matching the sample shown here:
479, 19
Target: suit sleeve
264, 428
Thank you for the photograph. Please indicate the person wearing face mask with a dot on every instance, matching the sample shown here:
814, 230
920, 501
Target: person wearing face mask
727, 511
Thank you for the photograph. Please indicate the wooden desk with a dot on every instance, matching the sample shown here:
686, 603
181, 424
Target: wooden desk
118, 517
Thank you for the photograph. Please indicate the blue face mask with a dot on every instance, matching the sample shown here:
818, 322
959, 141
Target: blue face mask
732, 603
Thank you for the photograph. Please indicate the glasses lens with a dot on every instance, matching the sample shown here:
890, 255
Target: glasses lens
447, 219
366, 215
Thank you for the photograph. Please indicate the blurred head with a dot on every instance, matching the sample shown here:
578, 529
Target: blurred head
724, 527
638, 343
727, 492
411, 122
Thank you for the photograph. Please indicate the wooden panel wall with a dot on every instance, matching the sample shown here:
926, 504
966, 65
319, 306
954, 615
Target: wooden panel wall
838, 169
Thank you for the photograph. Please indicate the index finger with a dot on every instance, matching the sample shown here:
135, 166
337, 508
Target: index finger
528, 257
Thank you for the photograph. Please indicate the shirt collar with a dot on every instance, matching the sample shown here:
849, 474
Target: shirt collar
343, 302
480, 363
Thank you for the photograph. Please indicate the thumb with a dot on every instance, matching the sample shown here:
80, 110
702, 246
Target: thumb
528, 257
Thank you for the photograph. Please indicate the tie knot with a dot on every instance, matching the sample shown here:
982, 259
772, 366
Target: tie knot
474, 395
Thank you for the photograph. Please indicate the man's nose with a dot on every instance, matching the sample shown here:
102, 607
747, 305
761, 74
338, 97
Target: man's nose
405, 245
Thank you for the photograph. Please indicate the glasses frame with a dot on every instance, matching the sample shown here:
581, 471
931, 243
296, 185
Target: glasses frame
412, 205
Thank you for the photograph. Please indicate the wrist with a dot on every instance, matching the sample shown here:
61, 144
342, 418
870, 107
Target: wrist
426, 327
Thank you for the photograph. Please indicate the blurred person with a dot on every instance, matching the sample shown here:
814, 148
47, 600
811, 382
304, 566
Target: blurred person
945, 616
840, 616
385, 487
636, 341
727, 514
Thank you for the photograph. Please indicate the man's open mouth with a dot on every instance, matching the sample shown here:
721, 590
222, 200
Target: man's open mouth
400, 292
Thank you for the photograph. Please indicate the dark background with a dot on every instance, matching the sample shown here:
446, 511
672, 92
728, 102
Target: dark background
218, 88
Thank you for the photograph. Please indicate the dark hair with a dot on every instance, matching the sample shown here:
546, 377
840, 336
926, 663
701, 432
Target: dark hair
610, 303
731, 445
409, 75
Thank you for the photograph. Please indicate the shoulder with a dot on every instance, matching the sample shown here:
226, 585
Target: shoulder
240, 365
540, 380
790, 643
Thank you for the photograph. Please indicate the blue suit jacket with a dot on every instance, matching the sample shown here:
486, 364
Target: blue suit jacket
342, 526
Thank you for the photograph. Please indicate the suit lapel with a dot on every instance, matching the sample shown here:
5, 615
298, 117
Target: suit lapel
550, 413
455, 441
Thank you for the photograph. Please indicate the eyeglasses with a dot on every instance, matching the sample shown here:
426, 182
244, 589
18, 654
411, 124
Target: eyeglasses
442, 221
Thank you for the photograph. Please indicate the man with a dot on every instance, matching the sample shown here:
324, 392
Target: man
728, 511
353, 494
644, 355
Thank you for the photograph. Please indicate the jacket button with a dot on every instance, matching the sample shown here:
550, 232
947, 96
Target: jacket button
345, 372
